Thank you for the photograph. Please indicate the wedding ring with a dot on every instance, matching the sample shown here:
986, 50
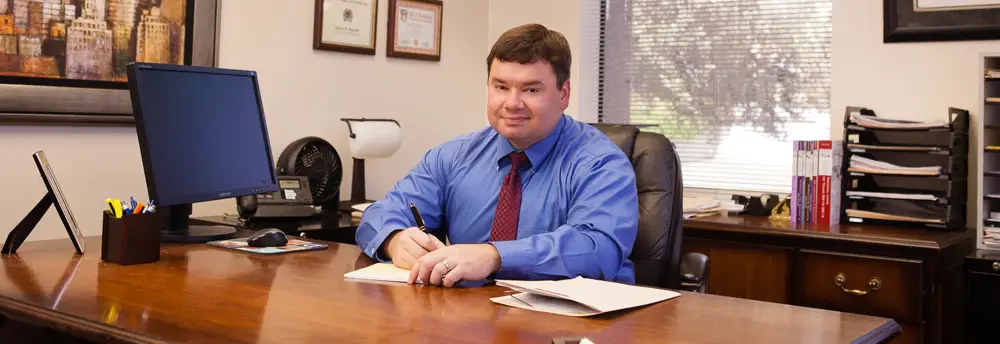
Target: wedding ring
446, 266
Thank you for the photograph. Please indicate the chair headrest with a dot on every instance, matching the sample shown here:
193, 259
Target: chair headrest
621, 135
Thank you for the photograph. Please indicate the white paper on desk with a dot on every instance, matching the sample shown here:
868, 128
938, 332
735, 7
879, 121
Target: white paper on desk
579, 296
380, 272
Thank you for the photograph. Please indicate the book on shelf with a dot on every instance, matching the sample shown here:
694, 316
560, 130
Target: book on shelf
816, 182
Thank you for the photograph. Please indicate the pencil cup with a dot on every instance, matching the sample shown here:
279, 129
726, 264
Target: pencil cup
132, 239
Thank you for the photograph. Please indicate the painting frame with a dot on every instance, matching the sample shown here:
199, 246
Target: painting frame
393, 50
102, 103
903, 22
345, 47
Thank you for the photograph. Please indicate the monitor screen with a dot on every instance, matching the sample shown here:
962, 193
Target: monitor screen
202, 133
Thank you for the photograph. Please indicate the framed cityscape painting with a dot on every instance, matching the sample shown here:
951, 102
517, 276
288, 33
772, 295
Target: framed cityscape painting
940, 20
64, 60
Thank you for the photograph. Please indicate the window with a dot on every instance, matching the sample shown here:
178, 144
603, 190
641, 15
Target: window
731, 82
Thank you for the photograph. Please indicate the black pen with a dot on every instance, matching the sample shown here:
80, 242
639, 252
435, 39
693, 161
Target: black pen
416, 216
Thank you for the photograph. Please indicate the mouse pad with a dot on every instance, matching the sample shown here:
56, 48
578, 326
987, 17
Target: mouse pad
294, 245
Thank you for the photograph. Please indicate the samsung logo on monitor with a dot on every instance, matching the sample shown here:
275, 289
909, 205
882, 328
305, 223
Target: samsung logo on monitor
225, 194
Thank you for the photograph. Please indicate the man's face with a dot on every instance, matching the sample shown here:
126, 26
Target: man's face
525, 103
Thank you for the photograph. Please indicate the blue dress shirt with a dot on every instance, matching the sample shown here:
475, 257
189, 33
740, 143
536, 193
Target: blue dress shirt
579, 205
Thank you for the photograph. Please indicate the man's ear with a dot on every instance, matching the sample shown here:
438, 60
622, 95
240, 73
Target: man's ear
564, 95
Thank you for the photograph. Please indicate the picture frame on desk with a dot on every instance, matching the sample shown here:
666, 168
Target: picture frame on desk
415, 29
346, 26
940, 20
27, 98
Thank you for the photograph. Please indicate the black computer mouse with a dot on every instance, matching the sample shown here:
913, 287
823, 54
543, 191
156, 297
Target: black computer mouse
268, 238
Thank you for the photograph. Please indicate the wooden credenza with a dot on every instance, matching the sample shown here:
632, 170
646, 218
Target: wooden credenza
911, 275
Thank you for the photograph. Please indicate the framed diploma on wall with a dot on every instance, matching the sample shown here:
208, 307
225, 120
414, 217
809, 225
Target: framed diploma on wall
345, 25
940, 20
415, 29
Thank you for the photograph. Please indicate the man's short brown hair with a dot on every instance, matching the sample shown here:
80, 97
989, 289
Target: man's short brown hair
530, 43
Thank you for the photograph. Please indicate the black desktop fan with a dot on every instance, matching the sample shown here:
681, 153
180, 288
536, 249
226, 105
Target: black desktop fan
316, 159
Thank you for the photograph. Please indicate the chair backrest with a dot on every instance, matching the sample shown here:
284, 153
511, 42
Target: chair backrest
656, 253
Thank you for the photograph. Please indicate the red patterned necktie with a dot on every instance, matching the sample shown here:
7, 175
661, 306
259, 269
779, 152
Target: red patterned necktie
509, 204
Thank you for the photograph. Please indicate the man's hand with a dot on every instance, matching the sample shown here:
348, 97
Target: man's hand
408, 245
455, 263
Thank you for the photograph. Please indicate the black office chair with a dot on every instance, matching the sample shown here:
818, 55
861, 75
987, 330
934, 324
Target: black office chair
656, 253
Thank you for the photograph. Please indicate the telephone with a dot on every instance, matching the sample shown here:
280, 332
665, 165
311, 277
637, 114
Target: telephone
292, 200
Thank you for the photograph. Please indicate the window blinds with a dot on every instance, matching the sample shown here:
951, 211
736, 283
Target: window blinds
731, 82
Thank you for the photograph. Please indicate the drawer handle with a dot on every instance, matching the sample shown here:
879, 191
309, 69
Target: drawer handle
873, 284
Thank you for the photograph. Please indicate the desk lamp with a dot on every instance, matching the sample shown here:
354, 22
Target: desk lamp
369, 138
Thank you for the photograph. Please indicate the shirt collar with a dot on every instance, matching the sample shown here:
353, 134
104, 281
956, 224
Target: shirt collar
536, 152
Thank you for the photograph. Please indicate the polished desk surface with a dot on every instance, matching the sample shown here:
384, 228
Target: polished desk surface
197, 293
926, 238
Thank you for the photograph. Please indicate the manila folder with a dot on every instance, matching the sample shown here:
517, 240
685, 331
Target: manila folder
579, 296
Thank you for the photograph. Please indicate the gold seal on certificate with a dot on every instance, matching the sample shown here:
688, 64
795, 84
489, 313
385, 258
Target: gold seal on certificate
415, 29
345, 25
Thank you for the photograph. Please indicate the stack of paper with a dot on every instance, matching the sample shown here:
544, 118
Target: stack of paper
889, 195
883, 216
380, 272
885, 123
991, 237
894, 148
862, 164
701, 208
359, 209
579, 296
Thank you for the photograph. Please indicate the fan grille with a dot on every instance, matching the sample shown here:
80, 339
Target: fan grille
320, 164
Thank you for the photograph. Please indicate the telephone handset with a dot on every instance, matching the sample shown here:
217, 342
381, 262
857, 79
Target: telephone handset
292, 200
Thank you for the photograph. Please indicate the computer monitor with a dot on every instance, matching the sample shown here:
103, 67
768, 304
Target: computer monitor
202, 137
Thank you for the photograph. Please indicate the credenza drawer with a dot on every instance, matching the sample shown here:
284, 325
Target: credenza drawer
878, 286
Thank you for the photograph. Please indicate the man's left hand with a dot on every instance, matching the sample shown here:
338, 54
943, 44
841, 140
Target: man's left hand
448, 265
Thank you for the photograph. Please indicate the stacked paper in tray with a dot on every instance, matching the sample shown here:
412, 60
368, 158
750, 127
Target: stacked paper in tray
816, 182
862, 164
885, 123
991, 237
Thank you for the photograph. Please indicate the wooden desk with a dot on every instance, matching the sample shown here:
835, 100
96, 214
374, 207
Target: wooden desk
919, 271
197, 293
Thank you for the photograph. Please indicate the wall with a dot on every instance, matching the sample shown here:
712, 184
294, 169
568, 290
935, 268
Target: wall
305, 92
916, 81
563, 16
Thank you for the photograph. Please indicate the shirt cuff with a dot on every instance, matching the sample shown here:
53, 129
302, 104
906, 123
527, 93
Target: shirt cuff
515, 257
377, 242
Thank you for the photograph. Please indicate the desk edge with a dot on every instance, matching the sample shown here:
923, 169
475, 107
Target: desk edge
48, 318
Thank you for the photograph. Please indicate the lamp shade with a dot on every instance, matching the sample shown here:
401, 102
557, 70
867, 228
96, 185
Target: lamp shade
374, 138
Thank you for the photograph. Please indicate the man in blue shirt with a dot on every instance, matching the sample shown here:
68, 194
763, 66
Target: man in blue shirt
536, 195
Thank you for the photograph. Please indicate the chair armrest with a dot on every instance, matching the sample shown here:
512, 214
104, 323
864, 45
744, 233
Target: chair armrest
694, 272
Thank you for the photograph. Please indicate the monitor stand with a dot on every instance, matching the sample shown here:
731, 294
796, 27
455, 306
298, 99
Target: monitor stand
178, 230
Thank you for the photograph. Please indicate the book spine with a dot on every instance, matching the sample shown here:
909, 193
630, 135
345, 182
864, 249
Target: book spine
836, 180
802, 183
811, 165
795, 183
825, 169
